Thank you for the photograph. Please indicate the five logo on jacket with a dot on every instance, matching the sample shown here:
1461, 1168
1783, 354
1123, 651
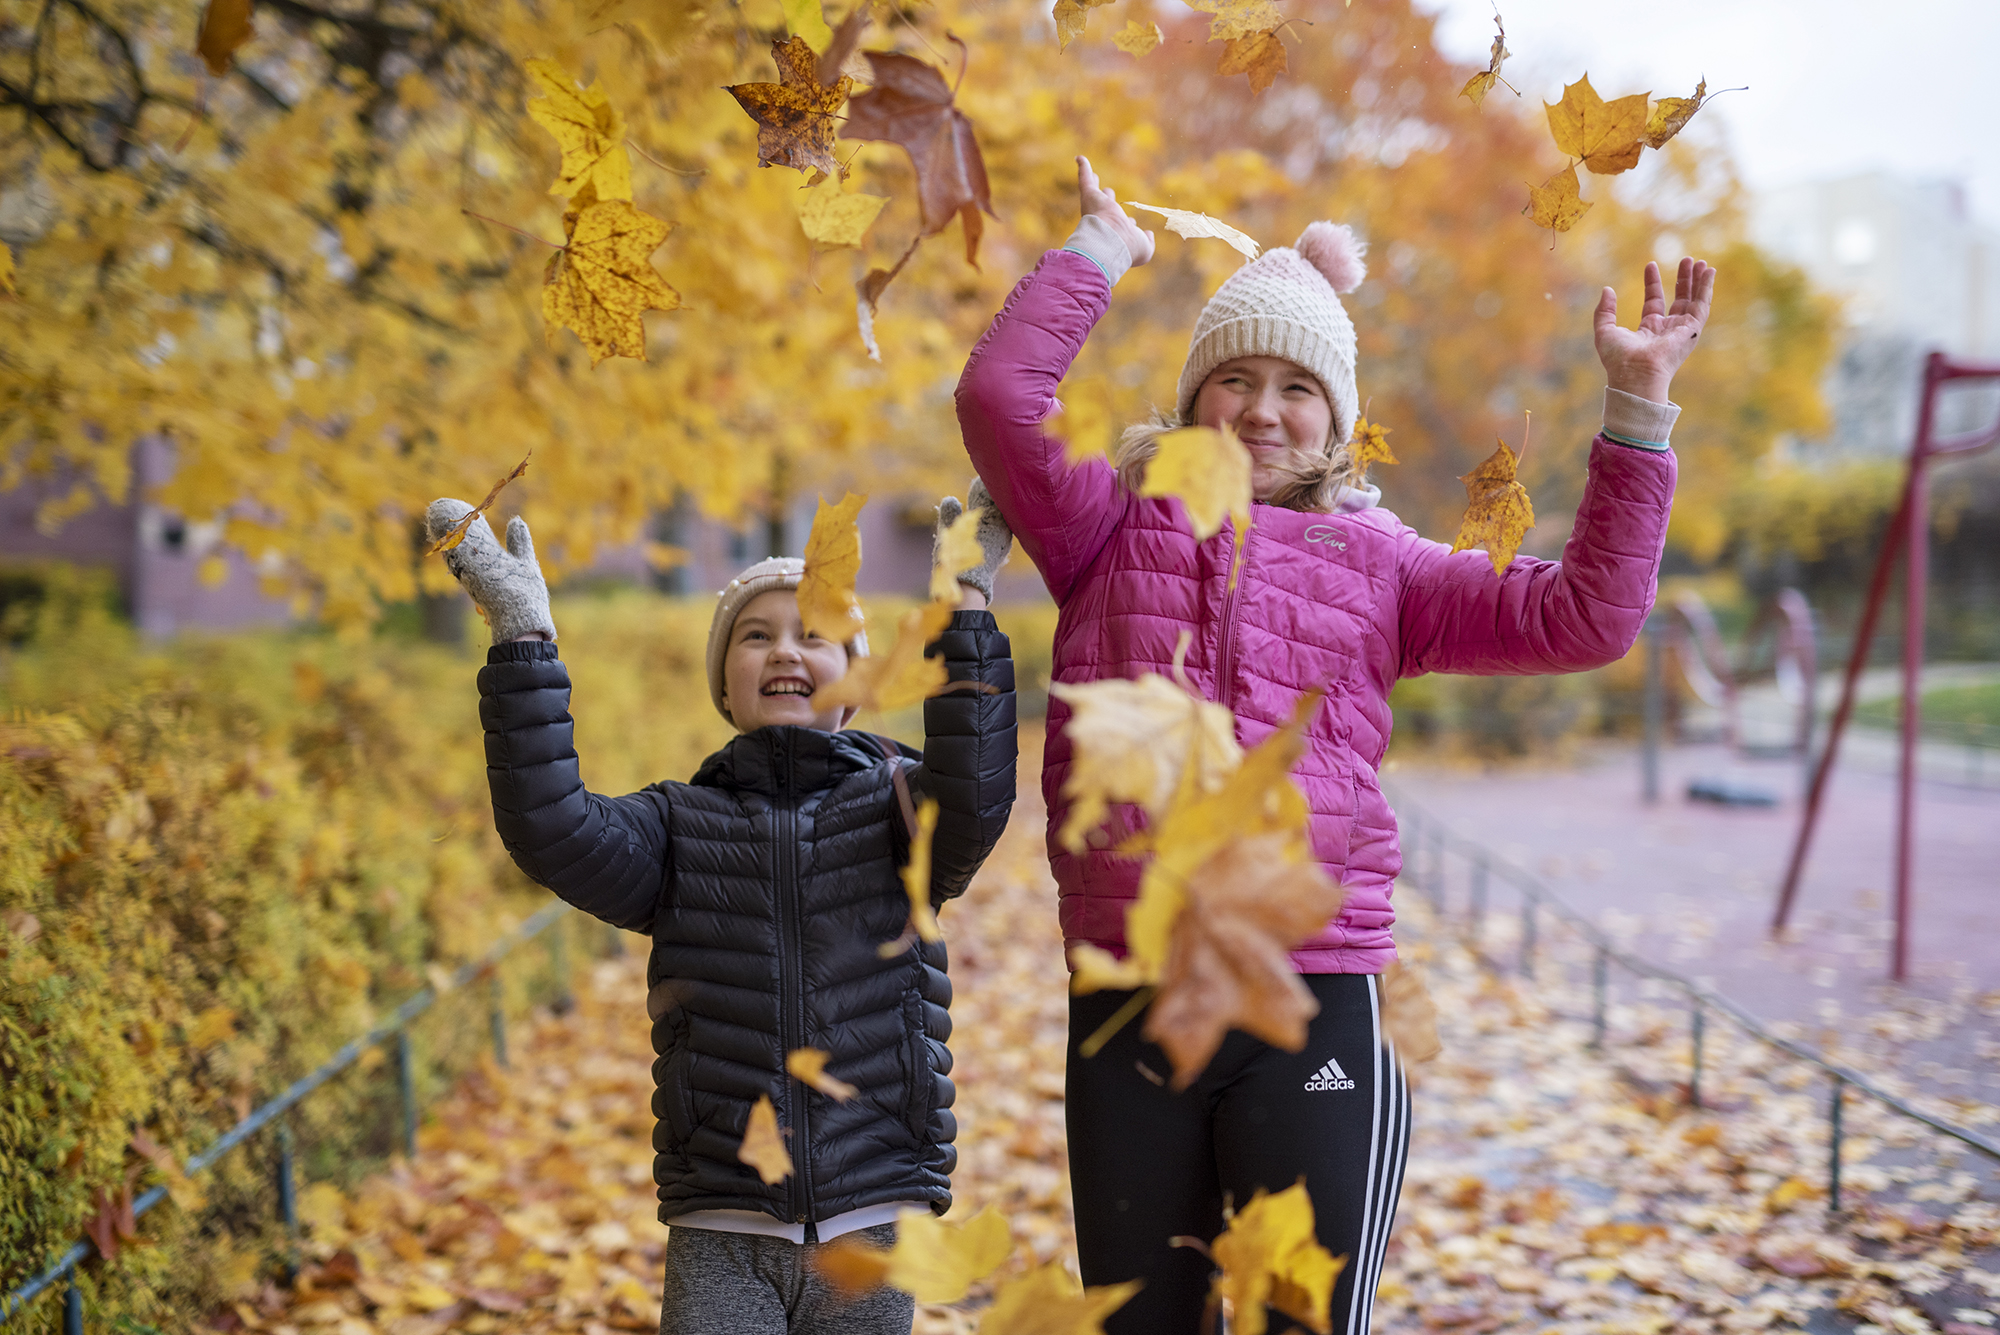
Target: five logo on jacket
1329, 1077
1328, 534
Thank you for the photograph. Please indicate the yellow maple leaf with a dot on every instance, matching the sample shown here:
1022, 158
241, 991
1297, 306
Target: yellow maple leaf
1260, 55
1137, 37
833, 218
1085, 418
1480, 84
958, 551
225, 26
807, 20
1209, 469
598, 284
937, 1261
1604, 134
1369, 446
808, 1067
1192, 225
763, 1146
1142, 741
1498, 513
1237, 18
1558, 202
1047, 1300
588, 129
1070, 16
827, 605
795, 115
1270, 1255
1409, 1016
901, 678
934, 1260
1671, 114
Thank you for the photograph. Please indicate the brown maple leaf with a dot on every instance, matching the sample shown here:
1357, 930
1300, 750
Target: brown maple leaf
1480, 84
1498, 513
456, 533
1260, 55
225, 26
795, 115
911, 105
1604, 134
1671, 114
598, 284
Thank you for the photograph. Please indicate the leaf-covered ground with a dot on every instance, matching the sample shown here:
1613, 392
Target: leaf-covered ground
1549, 1189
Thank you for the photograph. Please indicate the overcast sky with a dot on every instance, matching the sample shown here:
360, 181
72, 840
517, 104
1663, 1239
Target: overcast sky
1835, 86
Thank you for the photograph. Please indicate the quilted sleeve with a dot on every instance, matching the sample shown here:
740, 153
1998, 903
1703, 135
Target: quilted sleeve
1456, 615
969, 750
607, 856
1063, 513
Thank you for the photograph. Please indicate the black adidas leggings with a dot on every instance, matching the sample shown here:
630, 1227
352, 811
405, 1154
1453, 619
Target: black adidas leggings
1147, 1164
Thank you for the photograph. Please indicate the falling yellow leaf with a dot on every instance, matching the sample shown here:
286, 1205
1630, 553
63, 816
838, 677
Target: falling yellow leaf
1480, 84
1070, 16
1369, 446
808, 1067
937, 1261
1269, 1255
763, 1146
1604, 134
958, 552
1498, 513
1671, 114
807, 20
852, 1266
598, 285
586, 127
1085, 418
1209, 470
454, 535
1237, 18
1558, 202
827, 605
901, 678
1142, 741
1137, 37
794, 116
1048, 1301
1260, 55
916, 875
225, 26
833, 218
1409, 1016
1183, 222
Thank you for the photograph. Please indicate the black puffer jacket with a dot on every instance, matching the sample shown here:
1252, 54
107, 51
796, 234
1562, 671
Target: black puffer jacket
767, 885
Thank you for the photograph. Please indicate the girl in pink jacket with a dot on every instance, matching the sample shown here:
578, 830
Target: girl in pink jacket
1334, 593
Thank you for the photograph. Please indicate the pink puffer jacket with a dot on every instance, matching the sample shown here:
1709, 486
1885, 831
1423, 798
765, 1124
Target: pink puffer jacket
1347, 602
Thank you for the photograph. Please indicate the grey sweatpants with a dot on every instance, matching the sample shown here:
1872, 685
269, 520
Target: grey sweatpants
747, 1284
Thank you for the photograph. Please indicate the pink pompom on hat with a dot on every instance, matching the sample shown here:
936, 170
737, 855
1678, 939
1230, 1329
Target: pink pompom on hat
1285, 303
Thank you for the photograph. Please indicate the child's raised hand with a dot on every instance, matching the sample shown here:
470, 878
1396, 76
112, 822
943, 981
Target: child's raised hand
1094, 200
1642, 361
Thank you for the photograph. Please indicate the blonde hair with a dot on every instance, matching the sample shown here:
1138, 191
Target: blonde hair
1312, 489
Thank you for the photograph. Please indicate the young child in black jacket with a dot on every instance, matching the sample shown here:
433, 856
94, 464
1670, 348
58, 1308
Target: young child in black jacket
767, 884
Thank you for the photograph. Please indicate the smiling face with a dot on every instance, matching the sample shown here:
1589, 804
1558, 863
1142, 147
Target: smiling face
1278, 409
773, 667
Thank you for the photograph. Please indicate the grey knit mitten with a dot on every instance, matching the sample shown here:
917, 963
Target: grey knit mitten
996, 540
505, 581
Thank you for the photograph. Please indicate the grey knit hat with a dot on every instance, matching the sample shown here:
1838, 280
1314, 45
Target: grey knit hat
1284, 304
775, 572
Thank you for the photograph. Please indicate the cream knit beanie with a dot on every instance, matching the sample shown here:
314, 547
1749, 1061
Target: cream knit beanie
776, 572
1282, 304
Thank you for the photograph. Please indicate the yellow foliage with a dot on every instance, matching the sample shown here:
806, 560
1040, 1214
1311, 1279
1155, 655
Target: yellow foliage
1048, 1301
1269, 1255
1498, 513
827, 605
763, 1146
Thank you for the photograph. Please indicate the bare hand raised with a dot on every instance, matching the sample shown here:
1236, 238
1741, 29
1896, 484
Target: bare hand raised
1095, 200
1642, 361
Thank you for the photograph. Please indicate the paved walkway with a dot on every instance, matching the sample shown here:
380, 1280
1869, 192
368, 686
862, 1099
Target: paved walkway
1692, 886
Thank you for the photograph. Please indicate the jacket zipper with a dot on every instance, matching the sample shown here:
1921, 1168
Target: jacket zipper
1225, 682
791, 997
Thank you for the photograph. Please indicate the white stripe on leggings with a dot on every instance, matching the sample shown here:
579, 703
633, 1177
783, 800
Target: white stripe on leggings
1384, 1178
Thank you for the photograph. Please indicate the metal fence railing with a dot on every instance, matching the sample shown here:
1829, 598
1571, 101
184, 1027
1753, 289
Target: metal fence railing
1427, 843
62, 1269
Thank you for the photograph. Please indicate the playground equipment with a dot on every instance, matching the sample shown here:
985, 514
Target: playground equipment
1910, 530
